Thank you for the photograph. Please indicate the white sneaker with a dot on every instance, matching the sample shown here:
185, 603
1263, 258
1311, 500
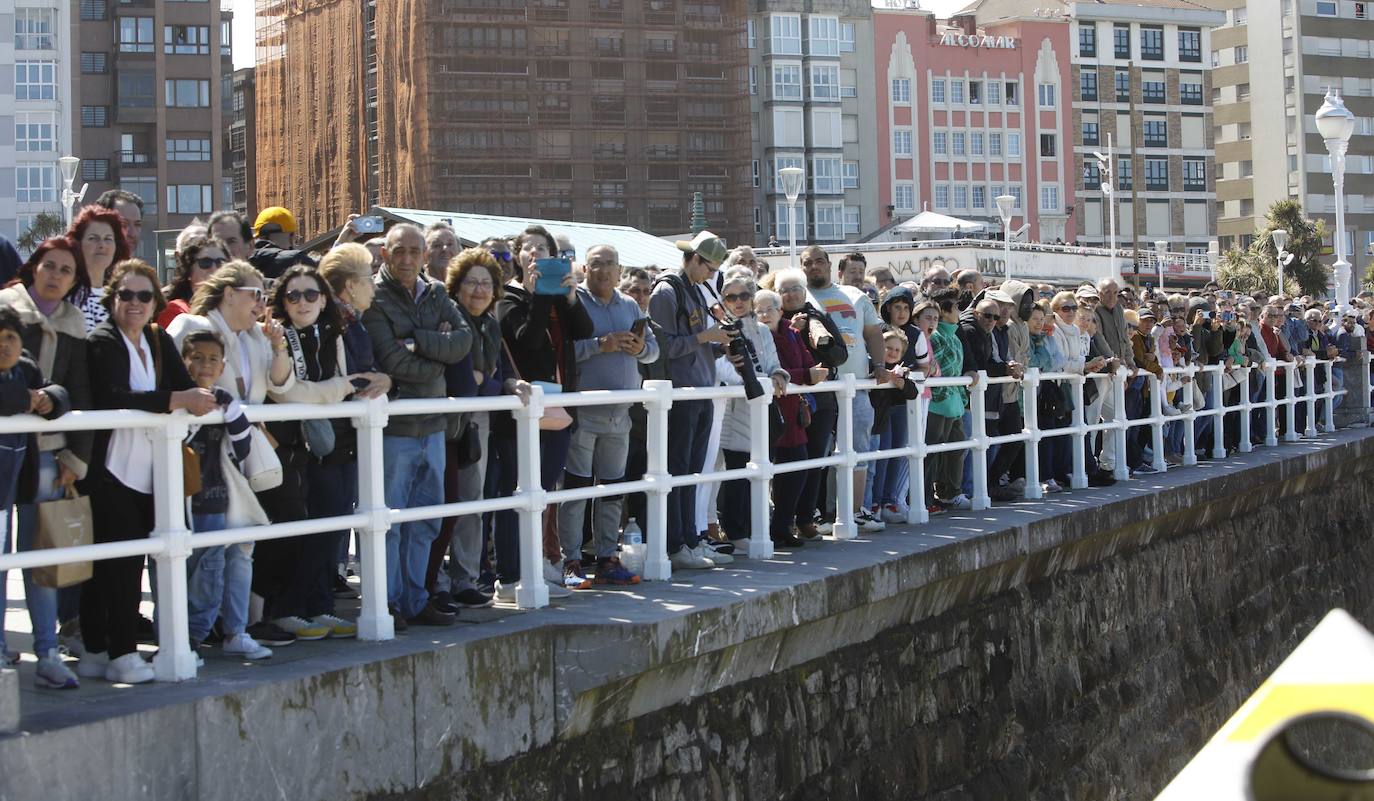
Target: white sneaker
129, 669
865, 521
741, 549
505, 593
1051, 486
553, 573
688, 559
243, 646
93, 665
559, 590
52, 674
339, 629
824, 528
961, 501
894, 513
305, 630
717, 558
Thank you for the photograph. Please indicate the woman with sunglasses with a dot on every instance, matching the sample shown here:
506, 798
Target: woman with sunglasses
196, 261
133, 365
101, 243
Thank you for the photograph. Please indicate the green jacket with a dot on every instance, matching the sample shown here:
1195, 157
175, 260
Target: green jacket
949, 352
411, 349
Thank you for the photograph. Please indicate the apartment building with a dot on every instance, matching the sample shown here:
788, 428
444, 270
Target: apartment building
601, 111
974, 108
151, 105
1273, 62
811, 88
1141, 71
31, 106
241, 142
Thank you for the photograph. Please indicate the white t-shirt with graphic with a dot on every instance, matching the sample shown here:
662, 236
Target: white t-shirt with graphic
851, 310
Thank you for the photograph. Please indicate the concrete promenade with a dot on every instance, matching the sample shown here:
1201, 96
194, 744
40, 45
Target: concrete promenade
503, 682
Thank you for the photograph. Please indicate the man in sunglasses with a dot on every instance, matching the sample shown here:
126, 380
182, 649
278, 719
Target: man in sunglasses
275, 236
935, 279
983, 352
499, 248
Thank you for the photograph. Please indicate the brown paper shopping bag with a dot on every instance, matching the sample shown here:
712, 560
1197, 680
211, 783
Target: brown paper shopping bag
63, 523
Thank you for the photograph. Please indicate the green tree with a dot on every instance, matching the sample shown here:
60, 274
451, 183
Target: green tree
1255, 269
45, 225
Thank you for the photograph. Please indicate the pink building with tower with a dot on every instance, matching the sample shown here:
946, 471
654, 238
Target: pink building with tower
966, 112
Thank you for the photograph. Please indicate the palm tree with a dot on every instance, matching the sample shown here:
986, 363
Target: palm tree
1255, 269
44, 226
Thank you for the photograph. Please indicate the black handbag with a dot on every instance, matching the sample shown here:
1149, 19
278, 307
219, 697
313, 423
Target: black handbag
1051, 403
467, 449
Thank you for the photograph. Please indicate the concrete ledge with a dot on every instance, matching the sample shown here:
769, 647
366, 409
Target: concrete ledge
9, 700
355, 720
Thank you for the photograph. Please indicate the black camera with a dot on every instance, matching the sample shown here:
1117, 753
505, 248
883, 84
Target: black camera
742, 348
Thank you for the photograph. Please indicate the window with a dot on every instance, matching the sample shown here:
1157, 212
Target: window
34, 133
825, 82
1362, 12
1190, 94
1014, 145
939, 142
979, 196
1242, 54
95, 169
942, 196
846, 37
937, 90
1152, 44
186, 40
852, 222
1015, 192
960, 196
1092, 174
901, 90
1121, 41
1194, 175
1087, 84
851, 174
994, 144
1045, 95
92, 10
824, 38
1123, 174
35, 80
33, 29
994, 92
901, 143
784, 34
1049, 198
753, 40
904, 196
1090, 135
956, 91
188, 149
758, 218
146, 188
787, 82
94, 63
1190, 45
1048, 145
34, 184
825, 176
190, 199
1242, 91
1240, 16
1152, 91
1156, 133
975, 143
1326, 8
975, 92
136, 89
957, 143
1123, 86
780, 163
829, 221
1087, 40
1157, 174
1011, 93
753, 81
135, 34
182, 93
95, 116
756, 172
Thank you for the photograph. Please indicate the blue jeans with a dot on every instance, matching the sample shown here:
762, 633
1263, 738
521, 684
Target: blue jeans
414, 477
890, 477
218, 582
503, 465
12, 449
689, 426
42, 601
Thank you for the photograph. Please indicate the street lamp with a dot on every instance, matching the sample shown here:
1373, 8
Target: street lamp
1280, 237
1106, 164
1335, 123
68, 165
1005, 204
791, 187
1161, 249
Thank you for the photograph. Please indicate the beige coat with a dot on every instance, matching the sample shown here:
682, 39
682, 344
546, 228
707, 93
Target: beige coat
259, 355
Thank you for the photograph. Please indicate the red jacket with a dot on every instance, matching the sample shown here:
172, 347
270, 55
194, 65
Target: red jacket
797, 361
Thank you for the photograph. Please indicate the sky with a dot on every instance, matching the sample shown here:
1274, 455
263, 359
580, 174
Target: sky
243, 25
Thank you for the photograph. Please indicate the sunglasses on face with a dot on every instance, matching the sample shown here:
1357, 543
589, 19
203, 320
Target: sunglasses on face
938, 282
1068, 307
208, 263
501, 255
129, 295
737, 297
255, 291
993, 317
790, 289
295, 295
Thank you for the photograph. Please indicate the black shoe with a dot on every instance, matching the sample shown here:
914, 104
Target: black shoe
146, 631
472, 599
216, 635
1101, 479
430, 616
342, 589
1003, 493
268, 633
718, 547
788, 540
443, 601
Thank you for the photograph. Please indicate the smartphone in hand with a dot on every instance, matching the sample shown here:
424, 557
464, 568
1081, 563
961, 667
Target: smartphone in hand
638, 328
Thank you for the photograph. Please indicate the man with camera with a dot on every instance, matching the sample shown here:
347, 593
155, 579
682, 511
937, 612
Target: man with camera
609, 359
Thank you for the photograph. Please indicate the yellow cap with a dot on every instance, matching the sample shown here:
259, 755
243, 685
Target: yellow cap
276, 215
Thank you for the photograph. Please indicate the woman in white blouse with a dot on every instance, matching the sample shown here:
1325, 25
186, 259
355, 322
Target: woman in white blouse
133, 365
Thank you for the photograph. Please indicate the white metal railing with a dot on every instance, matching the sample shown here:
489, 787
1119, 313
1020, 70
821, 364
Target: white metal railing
171, 543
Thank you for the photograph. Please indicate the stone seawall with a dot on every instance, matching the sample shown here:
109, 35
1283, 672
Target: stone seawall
1087, 656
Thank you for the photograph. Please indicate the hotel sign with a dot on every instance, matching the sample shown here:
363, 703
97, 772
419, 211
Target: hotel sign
966, 40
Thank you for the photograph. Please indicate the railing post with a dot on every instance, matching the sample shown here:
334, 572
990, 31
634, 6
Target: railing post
532, 592
1329, 423
656, 564
916, 412
1156, 386
1120, 470
1290, 400
1245, 407
1190, 418
1079, 479
1030, 386
978, 404
844, 477
1309, 365
1271, 422
174, 660
760, 543
1218, 403
374, 619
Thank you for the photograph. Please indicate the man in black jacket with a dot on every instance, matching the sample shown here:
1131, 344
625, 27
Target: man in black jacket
274, 234
982, 353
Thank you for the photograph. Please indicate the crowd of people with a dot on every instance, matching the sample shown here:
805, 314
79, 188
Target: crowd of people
248, 318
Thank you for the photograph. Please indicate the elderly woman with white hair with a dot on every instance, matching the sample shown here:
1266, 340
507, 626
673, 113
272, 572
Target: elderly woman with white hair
744, 256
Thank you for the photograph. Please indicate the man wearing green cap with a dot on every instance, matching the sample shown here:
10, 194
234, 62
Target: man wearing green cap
690, 344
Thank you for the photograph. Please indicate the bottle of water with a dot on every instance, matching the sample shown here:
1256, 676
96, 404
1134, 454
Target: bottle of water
632, 552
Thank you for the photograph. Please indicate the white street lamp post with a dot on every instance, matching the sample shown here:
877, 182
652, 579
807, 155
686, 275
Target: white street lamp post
1335, 123
1107, 167
68, 165
1280, 237
1005, 203
791, 187
1161, 250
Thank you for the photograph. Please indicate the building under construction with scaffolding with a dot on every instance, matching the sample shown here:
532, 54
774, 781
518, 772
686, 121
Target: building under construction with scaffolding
606, 111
